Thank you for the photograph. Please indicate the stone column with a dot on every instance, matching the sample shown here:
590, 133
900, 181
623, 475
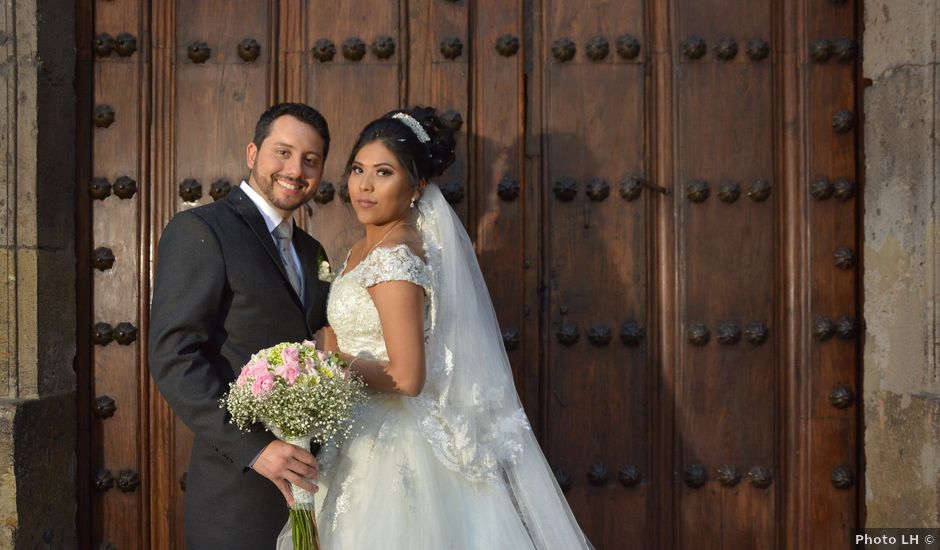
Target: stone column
37, 274
901, 262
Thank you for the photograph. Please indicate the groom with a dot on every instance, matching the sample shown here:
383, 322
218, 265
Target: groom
234, 277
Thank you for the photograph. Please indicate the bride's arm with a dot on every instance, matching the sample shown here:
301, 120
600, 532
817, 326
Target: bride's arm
329, 340
401, 312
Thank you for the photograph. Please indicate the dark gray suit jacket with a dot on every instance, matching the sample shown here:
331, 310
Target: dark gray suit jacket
220, 294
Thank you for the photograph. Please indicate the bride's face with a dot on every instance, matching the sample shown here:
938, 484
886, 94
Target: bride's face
379, 187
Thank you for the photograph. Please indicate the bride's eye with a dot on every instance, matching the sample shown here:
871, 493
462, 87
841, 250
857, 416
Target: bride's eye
384, 172
357, 170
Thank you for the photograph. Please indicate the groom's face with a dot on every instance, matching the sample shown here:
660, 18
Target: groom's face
287, 168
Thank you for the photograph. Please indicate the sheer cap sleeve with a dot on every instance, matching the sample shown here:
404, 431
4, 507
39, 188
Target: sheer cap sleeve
394, 263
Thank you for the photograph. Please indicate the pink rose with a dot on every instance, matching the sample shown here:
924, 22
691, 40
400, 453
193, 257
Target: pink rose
259, 368
310, 364
288, 373
242, 377
310, 343
262, 384
322, 355
253, 369
291, 357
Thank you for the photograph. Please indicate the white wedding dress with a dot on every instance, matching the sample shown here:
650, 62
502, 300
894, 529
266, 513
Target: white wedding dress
456, 467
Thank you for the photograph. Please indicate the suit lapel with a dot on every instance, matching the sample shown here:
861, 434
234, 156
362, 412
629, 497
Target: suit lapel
310, 265
255, 221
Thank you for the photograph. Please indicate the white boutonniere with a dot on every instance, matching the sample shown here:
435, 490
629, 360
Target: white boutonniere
325, 273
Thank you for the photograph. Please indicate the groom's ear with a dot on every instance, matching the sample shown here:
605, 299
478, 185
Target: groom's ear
252, 154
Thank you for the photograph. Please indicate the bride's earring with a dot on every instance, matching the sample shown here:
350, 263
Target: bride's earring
412, 203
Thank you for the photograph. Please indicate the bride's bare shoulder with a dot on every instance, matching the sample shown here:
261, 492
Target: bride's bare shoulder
355, 249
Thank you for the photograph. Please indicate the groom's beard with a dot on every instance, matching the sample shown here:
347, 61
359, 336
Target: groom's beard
265, 186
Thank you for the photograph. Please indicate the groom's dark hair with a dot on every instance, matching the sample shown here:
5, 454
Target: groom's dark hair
300, 111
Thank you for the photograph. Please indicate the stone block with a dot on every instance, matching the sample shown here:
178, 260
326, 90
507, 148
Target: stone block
900, 231
40, 434
8, 516
899, 32
55, 116
7, 323
902, 480
56, 311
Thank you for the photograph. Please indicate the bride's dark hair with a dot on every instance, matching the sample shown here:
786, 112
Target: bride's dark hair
420, 160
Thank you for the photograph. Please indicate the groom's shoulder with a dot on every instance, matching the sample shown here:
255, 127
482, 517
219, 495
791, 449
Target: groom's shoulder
213, 214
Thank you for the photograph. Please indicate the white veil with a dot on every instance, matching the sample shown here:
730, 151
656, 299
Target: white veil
469, 410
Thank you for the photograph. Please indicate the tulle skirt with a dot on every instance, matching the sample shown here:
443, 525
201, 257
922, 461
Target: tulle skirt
385, 489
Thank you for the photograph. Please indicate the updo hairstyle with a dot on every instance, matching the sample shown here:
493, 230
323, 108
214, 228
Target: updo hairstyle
422, 161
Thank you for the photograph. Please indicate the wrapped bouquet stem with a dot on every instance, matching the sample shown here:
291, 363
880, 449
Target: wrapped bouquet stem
298, 393
303, 522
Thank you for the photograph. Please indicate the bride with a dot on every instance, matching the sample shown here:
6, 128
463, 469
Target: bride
442, 455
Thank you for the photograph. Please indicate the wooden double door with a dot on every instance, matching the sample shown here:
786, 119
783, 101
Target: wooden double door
663, 196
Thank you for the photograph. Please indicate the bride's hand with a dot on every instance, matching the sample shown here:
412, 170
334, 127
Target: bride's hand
285, 465
350, 361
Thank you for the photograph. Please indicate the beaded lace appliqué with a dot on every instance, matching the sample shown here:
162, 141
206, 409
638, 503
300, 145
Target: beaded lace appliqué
474, 452
350, 310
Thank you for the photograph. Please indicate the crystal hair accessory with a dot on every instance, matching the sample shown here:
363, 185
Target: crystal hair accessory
415, 126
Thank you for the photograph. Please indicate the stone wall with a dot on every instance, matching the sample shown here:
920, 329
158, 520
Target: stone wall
37, 274
901, 263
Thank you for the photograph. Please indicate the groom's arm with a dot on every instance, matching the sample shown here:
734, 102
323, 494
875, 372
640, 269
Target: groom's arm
189, 287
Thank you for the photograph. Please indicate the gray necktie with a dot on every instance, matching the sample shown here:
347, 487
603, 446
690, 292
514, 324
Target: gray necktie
282, 233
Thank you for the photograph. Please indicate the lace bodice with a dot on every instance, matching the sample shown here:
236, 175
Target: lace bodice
350, 309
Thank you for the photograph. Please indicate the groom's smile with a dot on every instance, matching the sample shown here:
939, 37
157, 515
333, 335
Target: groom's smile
291, 185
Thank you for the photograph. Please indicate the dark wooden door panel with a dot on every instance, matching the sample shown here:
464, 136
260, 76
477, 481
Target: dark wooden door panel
499, 186
431, 78
596, 265
117, 450
725, 396
832, 144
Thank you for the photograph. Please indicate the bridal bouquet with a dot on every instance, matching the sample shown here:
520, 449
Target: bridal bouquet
299, 393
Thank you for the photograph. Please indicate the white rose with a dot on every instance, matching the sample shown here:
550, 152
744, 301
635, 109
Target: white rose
325, 274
